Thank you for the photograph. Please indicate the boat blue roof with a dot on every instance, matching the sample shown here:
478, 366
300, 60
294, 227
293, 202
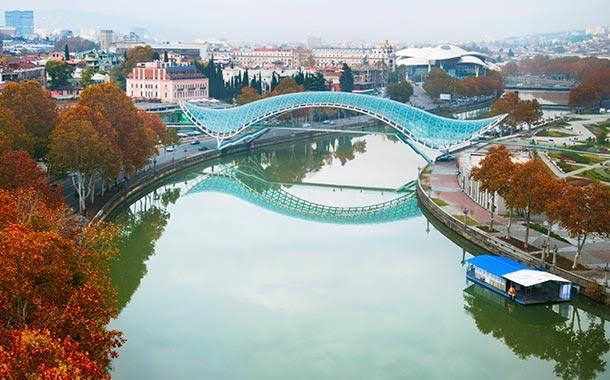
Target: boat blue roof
496, 264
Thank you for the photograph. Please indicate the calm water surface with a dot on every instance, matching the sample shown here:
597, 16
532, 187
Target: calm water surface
234, 270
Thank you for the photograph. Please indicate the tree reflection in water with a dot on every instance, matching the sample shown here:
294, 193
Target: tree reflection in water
573, 338
291, 163
141, 226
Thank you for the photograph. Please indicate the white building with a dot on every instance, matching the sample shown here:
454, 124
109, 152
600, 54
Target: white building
466, 162
264, 57
454, 60
333, 57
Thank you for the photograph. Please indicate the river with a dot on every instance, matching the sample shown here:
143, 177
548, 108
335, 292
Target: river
302, 261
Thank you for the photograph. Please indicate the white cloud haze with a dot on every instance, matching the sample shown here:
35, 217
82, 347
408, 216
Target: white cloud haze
339, 20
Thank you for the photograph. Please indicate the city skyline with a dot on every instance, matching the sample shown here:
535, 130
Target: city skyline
414, 23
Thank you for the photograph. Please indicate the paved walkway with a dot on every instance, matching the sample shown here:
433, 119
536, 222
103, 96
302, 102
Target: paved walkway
444, 185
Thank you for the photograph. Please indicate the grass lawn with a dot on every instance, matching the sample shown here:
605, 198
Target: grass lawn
567, 168
554, 133
439, 202
597, 174
543, 230
469, 220
578, 158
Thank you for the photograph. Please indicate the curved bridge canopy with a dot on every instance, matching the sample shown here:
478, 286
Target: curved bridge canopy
259, 192
422, 127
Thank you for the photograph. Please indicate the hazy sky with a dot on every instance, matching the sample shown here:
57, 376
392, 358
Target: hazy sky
334, 20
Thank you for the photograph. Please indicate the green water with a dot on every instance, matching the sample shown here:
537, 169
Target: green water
233, 270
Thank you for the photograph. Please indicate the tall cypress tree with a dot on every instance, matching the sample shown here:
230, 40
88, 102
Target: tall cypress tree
246, 79
346, 80
274, 81
259, 85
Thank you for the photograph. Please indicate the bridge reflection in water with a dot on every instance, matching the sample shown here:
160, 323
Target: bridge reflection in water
262, 192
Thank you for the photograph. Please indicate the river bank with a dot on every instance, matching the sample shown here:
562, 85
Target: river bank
440, 195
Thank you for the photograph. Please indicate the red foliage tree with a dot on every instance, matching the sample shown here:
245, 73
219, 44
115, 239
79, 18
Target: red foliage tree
35, 354
54, 277
12, 132
592, 90
19, 170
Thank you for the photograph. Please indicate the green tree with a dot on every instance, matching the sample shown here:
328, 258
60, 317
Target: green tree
274, 81
66, 52
60, 73
397, 75
400, 91
137, 55
86, 76
346, 80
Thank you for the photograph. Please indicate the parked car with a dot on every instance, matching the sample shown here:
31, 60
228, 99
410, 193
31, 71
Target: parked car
445, 158
195, 142
169, 148
332, 123
326, 122
202, 148
306, 125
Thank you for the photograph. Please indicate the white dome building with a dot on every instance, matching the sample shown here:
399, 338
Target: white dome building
455, 61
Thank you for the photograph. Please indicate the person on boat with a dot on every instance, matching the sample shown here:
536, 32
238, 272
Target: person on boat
512, 292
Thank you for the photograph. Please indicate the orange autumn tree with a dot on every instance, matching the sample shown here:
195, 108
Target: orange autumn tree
135, 141
585, 211
517, 111
247, 95
525, 191
494, 174
166, 136
551, 195
33, 107
54, 276
78, 149
12, 132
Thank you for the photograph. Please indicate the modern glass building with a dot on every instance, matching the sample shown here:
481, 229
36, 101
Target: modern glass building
454, 60
22, 21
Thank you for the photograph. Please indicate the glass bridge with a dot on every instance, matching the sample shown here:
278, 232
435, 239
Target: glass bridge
415, 125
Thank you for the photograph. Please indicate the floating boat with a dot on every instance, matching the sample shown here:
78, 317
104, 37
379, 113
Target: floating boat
516, 281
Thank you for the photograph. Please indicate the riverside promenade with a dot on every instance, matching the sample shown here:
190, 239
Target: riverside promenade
440, 194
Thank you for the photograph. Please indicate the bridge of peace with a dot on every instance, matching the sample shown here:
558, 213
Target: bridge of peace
428, 134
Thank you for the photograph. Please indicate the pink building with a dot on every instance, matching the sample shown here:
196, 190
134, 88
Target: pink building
161, 81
